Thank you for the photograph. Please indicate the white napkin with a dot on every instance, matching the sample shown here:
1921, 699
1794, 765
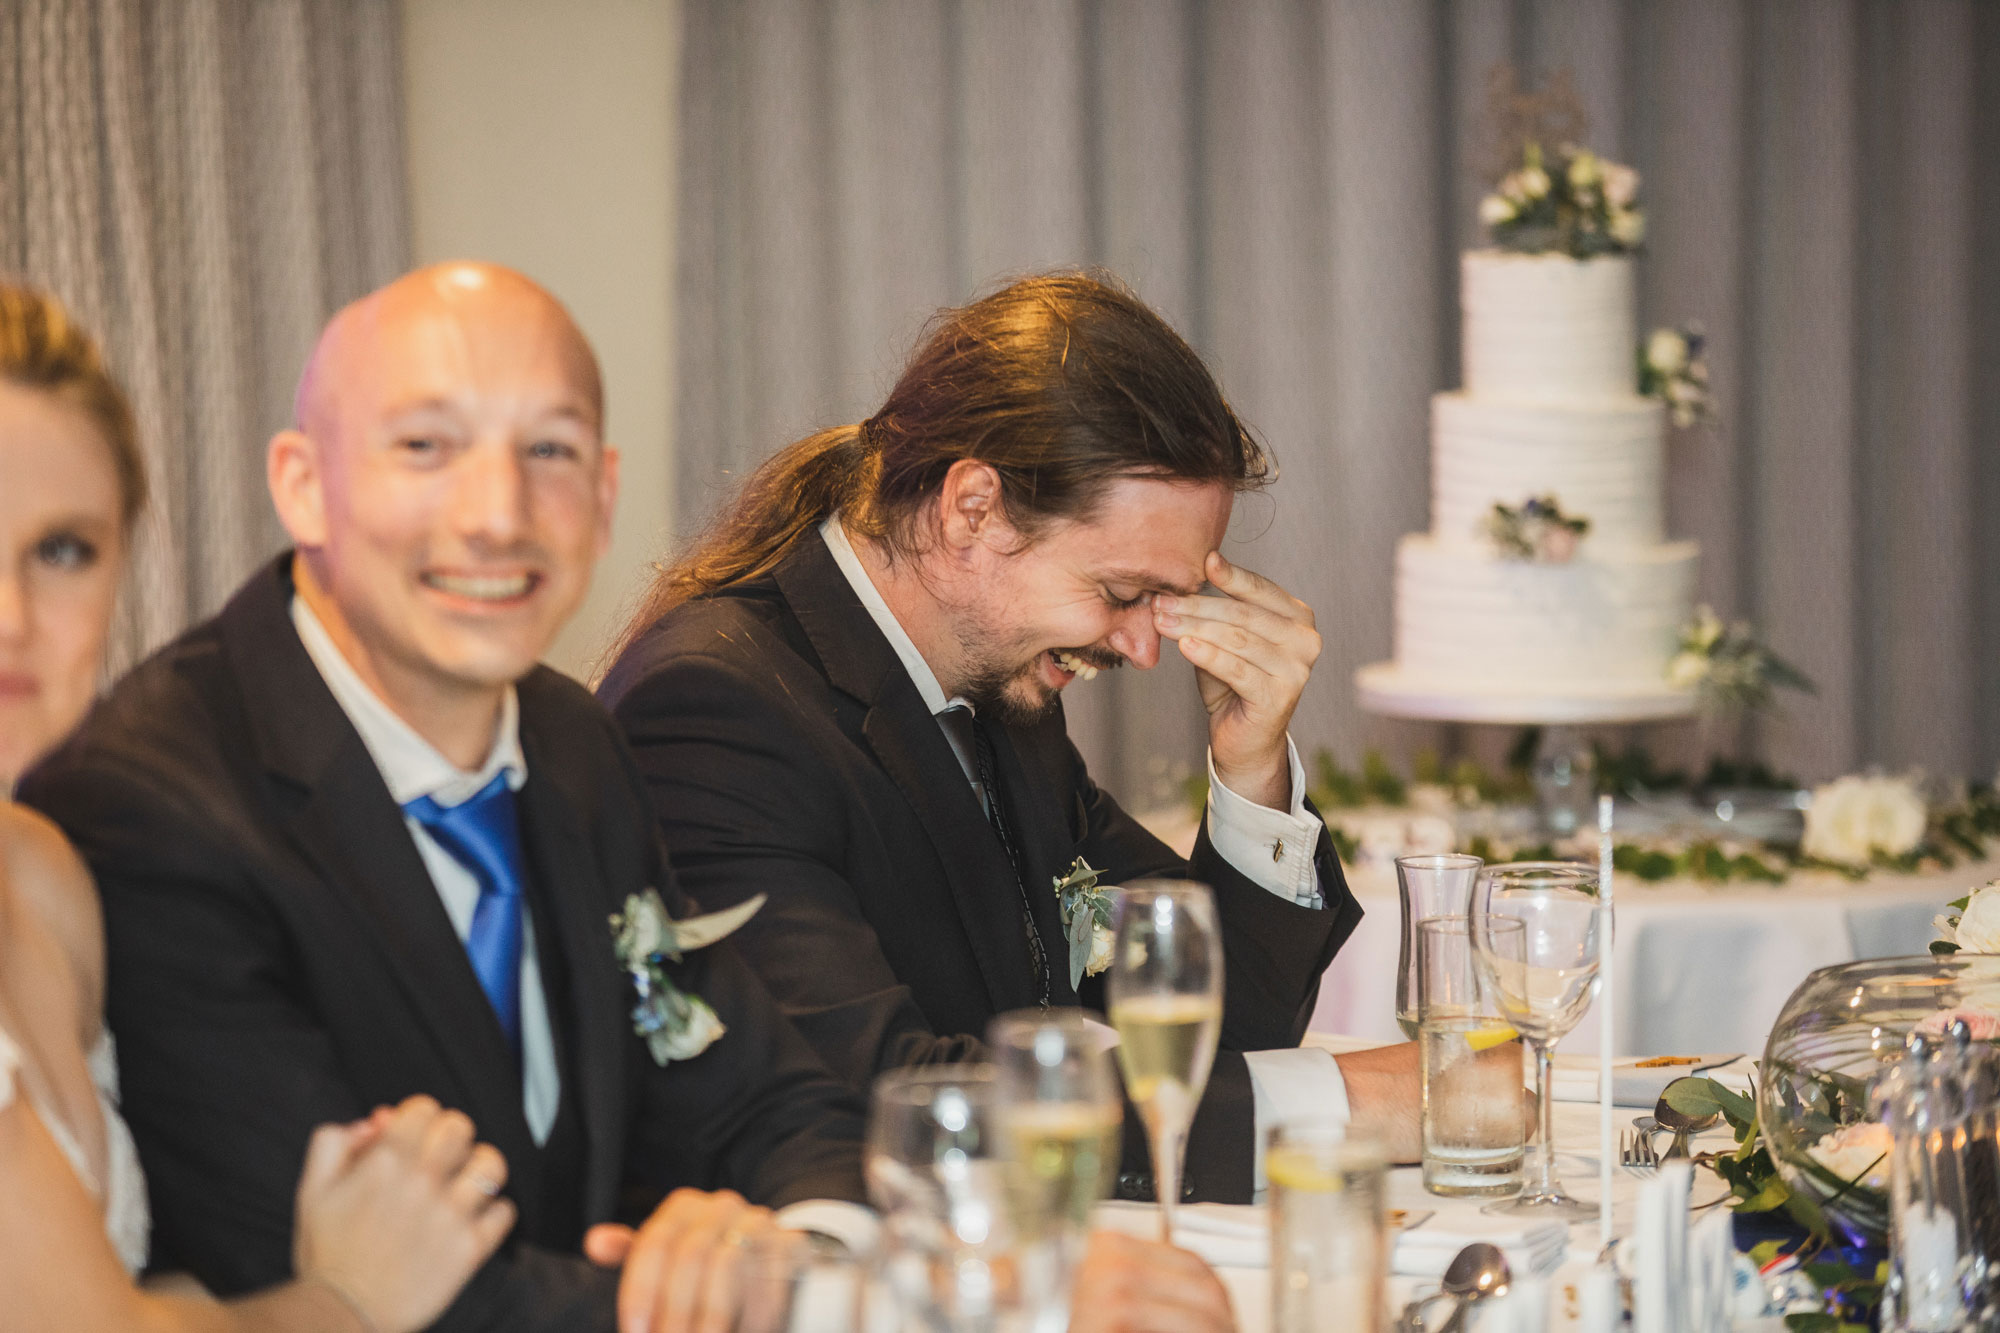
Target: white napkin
1428, 1248
1631, 1085
1238, 1235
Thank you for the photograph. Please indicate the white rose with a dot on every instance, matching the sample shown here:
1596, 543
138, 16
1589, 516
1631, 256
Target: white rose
1979, 925
1667, 351
1628, 226
701, 1030
1585, 170
1687, 671
1621, 185
646, 927
1495, 209
1101, 941
1533, 182
1852, 818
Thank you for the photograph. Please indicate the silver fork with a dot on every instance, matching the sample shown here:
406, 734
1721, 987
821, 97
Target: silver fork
1636, 1153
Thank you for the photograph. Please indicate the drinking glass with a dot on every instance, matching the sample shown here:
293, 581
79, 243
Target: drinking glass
1165, 997
1474, 1134
1329, 1229
788, 1282
1546, 991
935, 1174
1061, 1123
1429, 886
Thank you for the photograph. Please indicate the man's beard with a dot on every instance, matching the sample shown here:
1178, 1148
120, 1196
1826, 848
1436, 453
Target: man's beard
1015, 696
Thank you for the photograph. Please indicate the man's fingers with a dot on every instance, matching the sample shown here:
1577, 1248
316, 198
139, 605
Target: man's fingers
1251, 586
646, 1268
1239, 626
1251, 682
607, 1244
327, 1153
479, 1182
448, 1143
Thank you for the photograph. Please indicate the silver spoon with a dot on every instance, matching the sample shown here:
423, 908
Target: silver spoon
1680, 1126
1478, 1272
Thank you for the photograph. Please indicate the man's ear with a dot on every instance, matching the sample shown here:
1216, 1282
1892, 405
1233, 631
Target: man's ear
293, 470
970, 509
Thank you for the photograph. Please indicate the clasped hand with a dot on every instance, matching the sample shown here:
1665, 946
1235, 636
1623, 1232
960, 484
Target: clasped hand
1253, 650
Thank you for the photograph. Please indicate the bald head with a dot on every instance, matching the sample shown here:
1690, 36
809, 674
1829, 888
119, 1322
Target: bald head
465, 307
449, 489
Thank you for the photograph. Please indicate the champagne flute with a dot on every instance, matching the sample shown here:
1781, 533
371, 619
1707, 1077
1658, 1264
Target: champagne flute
1545, 990
1061, 1123
1165, 997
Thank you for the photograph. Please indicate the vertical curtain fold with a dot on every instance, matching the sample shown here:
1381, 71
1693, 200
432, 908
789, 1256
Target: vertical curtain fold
203, 182
1290, 181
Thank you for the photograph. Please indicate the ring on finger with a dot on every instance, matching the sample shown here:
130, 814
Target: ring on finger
485, 1184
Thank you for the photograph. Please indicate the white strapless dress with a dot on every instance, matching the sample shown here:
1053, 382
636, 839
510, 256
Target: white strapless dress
122, 1193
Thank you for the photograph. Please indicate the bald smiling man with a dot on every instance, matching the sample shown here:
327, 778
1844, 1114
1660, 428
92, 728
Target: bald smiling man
355, 845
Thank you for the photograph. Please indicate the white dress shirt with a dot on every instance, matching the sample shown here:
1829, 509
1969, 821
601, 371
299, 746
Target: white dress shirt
1271, 848
412, 767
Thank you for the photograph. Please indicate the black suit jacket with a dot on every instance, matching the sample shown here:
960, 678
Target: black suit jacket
280, 957
789, 752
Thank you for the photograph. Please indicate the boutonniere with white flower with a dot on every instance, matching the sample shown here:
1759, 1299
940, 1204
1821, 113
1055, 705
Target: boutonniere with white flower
1973, 925
1859, 819
1086, 919
674, 1024
1673, 369
1538, 531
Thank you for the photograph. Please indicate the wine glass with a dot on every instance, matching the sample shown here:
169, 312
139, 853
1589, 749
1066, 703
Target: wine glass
1061, 1124
1545, 991
1165, 997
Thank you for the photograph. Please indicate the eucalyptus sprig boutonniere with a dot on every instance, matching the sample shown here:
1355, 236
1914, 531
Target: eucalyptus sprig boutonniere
1086, 918
675, 1024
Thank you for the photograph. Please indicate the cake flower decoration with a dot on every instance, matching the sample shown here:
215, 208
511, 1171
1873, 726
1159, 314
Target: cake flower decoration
1086, 919
1572, 202
1673, 370
1729, 667
674, 1024
1537, 531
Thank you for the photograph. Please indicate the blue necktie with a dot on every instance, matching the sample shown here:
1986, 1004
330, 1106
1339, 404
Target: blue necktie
481, 834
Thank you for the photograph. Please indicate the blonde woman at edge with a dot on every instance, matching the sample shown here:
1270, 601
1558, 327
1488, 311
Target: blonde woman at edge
394, 1212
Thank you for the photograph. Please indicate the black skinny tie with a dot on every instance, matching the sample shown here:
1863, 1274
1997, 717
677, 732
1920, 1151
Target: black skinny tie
970, 742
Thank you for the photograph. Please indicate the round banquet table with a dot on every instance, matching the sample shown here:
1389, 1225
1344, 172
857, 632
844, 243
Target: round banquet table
1701, 968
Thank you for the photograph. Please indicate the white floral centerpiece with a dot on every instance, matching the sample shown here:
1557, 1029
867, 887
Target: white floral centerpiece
1863, 819
1972, 925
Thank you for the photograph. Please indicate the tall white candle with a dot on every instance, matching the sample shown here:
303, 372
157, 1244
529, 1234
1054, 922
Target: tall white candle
1607, 1011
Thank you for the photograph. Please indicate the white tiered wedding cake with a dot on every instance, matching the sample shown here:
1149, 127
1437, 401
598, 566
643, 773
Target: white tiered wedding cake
1550, 410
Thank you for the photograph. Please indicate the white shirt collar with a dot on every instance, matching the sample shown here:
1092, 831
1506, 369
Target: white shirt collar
885, 620
411, 766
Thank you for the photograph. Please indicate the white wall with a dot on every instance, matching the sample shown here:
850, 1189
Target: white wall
541, 136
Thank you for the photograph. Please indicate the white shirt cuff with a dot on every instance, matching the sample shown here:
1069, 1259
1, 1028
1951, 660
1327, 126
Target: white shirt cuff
1301, 1083
1272, 848
849, 1223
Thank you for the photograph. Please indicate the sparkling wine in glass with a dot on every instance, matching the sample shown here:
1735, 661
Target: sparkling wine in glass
1545, 990
1061, 1125
1165, 997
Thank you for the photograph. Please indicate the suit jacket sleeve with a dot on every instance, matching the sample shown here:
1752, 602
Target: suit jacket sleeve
746, 807
192, 946
1273, 954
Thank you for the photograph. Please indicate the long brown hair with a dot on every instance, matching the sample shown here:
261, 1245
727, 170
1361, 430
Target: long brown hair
1062, 383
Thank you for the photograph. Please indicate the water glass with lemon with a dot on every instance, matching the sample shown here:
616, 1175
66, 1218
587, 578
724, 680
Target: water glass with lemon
1474, 1129
1329, 1229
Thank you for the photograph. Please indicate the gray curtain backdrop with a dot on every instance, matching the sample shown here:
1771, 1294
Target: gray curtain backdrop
1290, 182
203, 182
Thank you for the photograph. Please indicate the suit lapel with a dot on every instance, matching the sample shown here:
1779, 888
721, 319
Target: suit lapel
913, 751
567, 873
347, 826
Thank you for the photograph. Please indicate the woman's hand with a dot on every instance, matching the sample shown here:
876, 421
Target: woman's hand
396, 1212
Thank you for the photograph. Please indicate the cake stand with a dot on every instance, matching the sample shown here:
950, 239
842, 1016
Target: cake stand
1565, 768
